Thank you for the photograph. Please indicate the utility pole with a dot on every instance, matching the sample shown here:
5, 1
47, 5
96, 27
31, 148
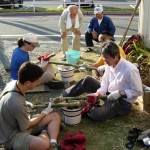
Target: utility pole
144, 21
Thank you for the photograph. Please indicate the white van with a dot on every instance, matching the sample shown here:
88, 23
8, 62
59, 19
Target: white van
83, 3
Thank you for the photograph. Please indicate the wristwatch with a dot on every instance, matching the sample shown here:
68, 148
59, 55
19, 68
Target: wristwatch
122, 93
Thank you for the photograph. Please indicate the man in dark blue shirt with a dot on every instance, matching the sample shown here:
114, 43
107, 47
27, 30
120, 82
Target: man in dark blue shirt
97, 25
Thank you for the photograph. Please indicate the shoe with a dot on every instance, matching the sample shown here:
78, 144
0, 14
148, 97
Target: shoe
66, 85
64, 58
56, 84
55, 146
89, 49
7, 69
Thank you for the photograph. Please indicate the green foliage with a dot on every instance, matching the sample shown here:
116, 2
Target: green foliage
140, 55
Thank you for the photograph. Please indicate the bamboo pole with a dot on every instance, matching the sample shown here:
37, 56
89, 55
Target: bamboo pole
65, 64
67, 105
62, 99
133, 14
76, 66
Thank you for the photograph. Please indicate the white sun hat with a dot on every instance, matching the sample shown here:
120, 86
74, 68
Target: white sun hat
98, 9
31, 38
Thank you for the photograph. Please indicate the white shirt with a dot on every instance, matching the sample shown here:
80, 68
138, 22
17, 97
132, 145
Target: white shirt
124, 76
99, 21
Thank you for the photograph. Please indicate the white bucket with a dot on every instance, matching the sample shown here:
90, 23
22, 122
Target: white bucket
67, 73
72, 116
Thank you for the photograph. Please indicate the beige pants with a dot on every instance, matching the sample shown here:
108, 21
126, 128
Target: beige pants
49, 73
75, 42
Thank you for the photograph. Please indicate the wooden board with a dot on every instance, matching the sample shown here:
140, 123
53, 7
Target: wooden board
40, 88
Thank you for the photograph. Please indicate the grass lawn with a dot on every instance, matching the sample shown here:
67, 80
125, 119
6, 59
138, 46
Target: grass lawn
108, 135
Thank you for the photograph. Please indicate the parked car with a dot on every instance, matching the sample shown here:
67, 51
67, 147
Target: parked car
84, 3
10, 3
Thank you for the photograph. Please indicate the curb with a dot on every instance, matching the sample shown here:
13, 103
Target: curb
59, 13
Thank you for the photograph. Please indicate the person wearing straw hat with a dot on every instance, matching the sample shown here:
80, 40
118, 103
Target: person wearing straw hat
17, 131
21, 54
121, 82
97, 25
70, 20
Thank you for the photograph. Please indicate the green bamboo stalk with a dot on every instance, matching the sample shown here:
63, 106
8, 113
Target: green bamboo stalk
62, 99
76, 66
67, 105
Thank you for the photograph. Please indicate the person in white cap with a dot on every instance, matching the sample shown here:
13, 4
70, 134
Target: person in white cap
70, 20
20, 55
97, 25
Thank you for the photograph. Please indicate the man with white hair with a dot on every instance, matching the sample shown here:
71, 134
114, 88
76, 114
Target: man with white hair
97, 25
70, 20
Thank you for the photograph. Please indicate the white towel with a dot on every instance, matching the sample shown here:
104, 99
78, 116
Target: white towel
69, 23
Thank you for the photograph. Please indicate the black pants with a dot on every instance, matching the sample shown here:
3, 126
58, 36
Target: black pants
85, 85
110, 109
89, 39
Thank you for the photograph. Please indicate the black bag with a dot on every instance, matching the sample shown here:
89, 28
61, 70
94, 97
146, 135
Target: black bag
138, 136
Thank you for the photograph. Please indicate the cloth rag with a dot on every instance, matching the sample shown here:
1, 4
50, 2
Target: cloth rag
74, 141
91, 100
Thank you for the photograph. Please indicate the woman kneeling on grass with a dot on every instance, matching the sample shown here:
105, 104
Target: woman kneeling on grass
20, 55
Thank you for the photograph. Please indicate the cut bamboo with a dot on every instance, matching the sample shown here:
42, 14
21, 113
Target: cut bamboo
70, 105
62, 99
76, 66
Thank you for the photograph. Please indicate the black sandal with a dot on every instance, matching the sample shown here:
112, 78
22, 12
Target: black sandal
88, 50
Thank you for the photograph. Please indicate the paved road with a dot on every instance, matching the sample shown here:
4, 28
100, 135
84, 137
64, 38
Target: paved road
48, 25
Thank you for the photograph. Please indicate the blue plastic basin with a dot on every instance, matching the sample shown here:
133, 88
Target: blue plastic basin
72, 56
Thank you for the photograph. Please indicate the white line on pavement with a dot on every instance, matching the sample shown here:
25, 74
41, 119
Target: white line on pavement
56, 35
